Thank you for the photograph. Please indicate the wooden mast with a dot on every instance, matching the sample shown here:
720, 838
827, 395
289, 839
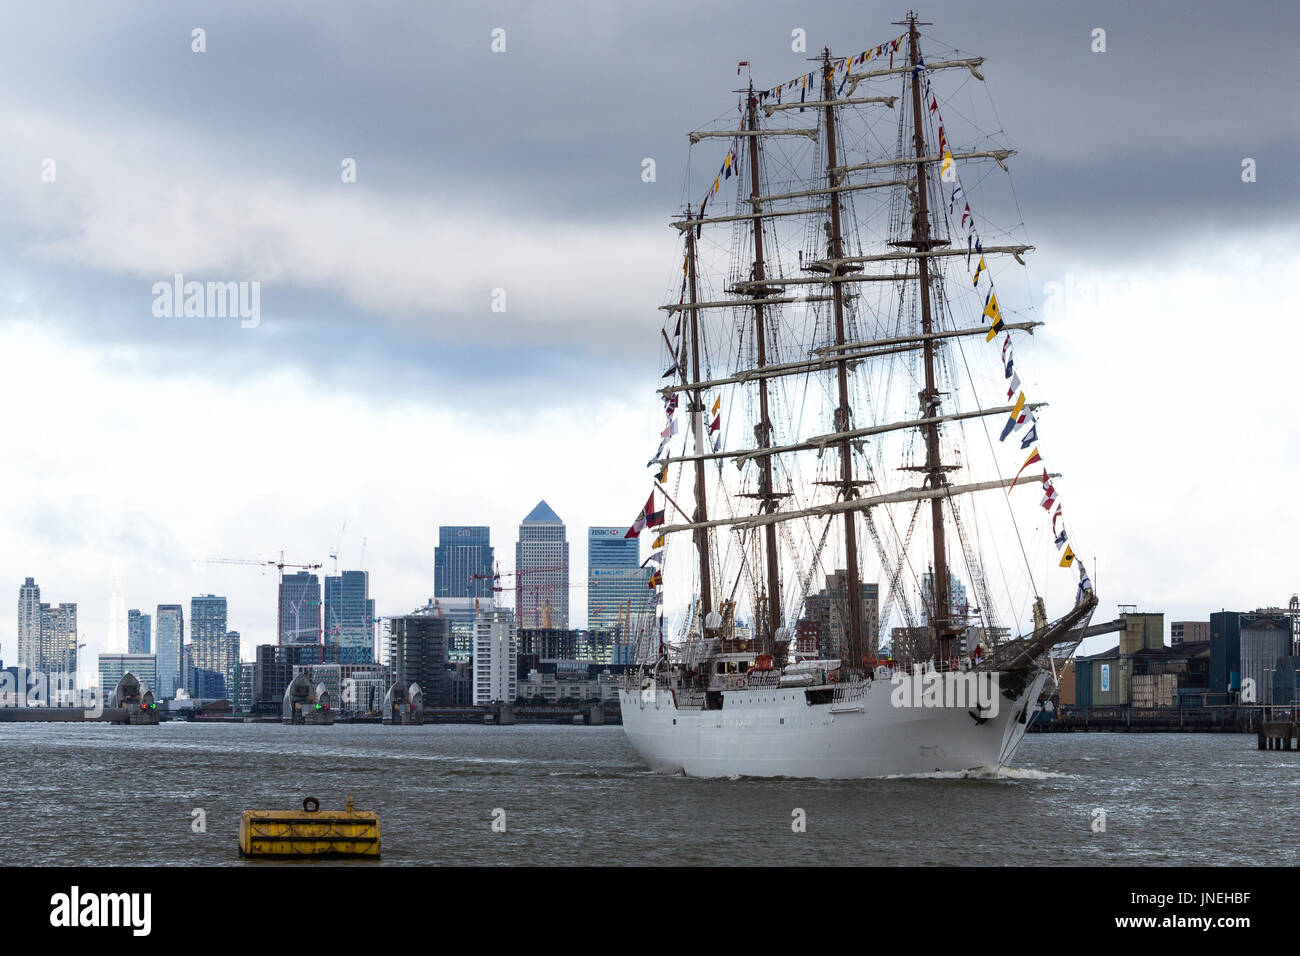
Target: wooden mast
852, 653
697, 425
763, 431
922, 242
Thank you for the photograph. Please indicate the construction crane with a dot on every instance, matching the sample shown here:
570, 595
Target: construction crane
334, 555
497, 587
498, 574
279, 566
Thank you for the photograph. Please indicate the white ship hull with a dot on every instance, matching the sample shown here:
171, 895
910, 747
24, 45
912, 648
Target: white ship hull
775, 732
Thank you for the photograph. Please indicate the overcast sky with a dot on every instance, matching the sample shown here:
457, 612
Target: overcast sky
381, 390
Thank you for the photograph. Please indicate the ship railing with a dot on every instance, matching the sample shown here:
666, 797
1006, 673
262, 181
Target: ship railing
754, 678
948, 665
688, 699
855, 690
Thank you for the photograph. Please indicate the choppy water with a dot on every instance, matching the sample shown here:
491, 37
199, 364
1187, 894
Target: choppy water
100, 794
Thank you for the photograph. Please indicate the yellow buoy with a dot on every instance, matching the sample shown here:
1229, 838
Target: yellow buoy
309, 833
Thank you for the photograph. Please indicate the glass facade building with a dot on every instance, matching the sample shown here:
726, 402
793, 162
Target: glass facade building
139, 636
113, 666
619, 595
349, 618
300, 609
462, 562
214, 654
170, 634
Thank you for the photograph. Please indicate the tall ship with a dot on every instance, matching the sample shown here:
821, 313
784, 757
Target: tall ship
844, 497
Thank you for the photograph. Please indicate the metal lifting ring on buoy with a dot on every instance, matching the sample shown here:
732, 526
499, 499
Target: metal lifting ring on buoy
311, 805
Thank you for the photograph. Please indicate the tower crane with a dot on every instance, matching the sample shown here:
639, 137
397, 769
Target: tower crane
279, 566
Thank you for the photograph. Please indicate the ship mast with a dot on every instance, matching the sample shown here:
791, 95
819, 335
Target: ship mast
922, 243
763, 431
697, 426
852, 653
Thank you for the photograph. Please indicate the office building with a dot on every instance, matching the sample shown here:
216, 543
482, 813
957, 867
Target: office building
349, 618
139, 636
170, 633
495, 656
113, 666
542, 570
618, 587
462, 562
300, 609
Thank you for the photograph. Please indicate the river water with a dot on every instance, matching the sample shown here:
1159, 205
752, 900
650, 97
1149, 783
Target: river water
101, 794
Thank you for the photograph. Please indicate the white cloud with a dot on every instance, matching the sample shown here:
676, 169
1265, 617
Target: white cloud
147, 206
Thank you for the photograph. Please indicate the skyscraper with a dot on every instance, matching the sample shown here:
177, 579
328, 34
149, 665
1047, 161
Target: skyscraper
213, 669
618, 588
300, 609
462, 562
138, 629
542, 571
28, 651
170, 634
349, 618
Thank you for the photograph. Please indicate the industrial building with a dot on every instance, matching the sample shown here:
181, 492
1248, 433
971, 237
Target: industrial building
1245, 658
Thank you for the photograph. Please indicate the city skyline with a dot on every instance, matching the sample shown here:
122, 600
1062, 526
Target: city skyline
366, 337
